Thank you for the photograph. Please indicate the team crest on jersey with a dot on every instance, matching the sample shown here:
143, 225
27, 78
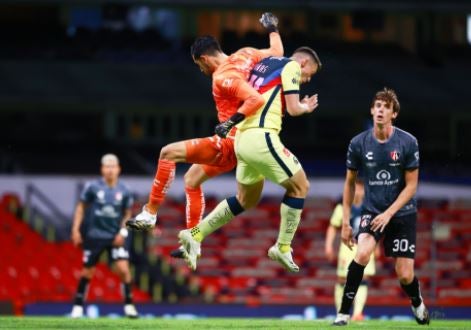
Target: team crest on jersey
365, 220
394, 155
118, 196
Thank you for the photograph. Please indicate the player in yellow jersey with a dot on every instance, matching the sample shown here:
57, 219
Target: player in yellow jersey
345, 255
261, 154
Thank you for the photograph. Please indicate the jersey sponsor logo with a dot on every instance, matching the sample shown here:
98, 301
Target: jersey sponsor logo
369, 155
107, 211
383, 178
394, 155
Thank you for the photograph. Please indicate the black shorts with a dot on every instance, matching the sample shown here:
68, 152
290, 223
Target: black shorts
399, 235
92, 250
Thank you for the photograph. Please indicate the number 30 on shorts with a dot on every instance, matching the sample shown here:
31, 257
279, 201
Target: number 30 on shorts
403, 246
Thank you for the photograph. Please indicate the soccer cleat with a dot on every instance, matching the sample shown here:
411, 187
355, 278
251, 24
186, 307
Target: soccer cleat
191, 248
341, 319
130, 311
358, 317
421, 314
178, 253
77, 312
285, 259
142, 221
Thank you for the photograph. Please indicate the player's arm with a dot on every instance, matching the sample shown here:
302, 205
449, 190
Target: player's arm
251, 101
348, 195
123, 233
76, 223
270, 22
291, 79
411, 181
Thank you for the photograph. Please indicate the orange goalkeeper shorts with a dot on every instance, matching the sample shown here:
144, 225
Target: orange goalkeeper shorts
214, 153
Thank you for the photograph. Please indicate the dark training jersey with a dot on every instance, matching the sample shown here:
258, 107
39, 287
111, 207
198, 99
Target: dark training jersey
383, 167
105, 211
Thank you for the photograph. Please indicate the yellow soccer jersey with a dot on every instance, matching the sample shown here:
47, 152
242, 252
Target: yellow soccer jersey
273, 77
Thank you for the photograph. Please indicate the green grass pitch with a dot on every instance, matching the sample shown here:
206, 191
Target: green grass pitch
37, 323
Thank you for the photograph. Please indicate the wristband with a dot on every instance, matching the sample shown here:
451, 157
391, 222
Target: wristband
124, 232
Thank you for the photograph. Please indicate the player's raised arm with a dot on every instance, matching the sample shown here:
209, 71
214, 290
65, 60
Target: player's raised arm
270, 23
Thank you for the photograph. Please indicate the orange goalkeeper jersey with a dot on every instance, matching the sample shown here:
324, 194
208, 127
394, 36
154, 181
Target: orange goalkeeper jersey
230, 87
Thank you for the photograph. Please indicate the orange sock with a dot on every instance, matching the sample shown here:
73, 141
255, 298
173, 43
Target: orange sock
194, 206
162, 181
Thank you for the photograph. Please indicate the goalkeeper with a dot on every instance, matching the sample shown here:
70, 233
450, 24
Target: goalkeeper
211, 156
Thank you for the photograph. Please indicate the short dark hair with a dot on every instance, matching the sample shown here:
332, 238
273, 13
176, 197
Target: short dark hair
205, 45
389, 96
311, 52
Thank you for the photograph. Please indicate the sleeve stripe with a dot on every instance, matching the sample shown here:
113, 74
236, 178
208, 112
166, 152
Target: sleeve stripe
291, 92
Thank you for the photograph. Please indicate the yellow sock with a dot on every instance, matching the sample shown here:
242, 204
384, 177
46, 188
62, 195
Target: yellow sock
284, 247
360, 299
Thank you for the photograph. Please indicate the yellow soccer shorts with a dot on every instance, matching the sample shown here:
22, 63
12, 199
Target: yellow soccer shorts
345, 258
260, 154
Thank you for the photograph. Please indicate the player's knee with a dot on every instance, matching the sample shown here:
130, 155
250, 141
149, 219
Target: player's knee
362, 257
167, 152
405, 274
190, 180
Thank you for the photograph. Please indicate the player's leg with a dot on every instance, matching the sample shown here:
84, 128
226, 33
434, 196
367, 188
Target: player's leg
224, 212
169, 155
362, 294
196, 151
400, 243
91, 254
120, 258
195, 202
345, 257
366, 246
291, 208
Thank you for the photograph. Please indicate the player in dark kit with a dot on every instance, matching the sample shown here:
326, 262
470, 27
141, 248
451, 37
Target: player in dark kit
103, 207
388, 159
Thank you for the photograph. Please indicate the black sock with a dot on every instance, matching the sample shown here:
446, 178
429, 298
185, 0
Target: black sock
127, 293
82, 287
354, 277
413, 291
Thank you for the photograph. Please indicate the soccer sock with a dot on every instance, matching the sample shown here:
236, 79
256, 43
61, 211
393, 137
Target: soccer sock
127, 292
354, 277
360, 298
290, 211
194, 206
222, 214
338, 295
162, 181
413, 291
82, 287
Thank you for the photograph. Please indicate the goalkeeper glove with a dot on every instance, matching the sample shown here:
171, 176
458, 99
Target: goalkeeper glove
222, 129
269, 22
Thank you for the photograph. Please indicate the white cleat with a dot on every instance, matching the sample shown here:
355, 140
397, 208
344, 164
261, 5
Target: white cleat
421, 314
77, 312
142, 221
191, 248
130, 311
285, 259
341, 319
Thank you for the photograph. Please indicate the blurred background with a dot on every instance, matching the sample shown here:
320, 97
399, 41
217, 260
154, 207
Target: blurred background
83, 78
